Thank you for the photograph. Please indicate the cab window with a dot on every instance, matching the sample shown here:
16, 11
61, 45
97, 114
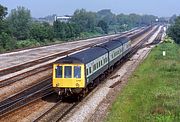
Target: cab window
67, 72
77, 72
59, 72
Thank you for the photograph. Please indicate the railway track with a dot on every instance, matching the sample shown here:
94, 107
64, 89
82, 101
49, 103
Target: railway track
65, 108
157, 40
19, 77
29, 95
62, 108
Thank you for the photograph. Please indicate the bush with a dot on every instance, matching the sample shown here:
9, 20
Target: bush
2, 49
99, 30
174, 30
41, 32
27, 43
168, 40
88, 34
6, 41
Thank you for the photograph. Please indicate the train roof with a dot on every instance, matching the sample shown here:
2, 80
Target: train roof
110, 45
84, 56
92, 53
114, 43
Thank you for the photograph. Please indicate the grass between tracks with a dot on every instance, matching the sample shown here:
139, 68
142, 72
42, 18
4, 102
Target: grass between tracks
153, 91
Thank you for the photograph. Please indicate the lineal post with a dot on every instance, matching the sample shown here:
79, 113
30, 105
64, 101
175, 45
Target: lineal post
164, 53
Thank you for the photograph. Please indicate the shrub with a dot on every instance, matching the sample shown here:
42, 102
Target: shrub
27, 43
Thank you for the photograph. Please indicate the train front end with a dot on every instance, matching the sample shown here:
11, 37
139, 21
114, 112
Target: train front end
68, 78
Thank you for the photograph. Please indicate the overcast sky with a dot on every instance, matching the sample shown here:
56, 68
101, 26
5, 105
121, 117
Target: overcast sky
41, 8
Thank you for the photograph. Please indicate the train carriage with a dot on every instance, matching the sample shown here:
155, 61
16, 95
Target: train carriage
126, 42
117, 49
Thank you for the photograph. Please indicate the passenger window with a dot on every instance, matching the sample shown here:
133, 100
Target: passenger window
59, 72
94, 67
90, 70
67, 72
87, 71
77, 72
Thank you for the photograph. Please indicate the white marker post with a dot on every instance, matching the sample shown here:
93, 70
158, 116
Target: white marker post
164, 53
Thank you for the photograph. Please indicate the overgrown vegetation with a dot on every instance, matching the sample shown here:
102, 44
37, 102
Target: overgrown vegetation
174, 30
152, 93
18, 30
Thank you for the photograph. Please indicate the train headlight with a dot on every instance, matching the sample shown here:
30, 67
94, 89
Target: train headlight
77, 85
57, 84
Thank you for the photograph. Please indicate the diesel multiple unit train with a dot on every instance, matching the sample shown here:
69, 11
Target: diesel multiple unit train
77, 72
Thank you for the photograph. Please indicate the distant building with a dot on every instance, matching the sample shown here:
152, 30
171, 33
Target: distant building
49, 19
62, 18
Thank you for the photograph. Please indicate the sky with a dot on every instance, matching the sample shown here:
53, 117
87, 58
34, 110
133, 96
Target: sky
41, 8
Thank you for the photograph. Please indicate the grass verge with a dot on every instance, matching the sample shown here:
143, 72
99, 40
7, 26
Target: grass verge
153, 91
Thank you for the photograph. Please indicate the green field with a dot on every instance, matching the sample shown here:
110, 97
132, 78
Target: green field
153, 91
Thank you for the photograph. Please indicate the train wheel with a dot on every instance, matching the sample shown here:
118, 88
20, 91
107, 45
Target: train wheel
59, 97
78, 98
102, 77
84, 93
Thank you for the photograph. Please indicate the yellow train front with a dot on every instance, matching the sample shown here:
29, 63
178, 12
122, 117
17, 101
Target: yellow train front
68, 76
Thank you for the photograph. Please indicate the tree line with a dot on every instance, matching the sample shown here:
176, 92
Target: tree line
174, 29
18, 30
